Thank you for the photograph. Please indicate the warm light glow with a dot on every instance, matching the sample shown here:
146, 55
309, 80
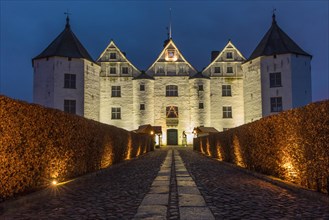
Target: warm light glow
208, 148
152, 132
129, 148
54, 182
139, 151
237, 152
219, 154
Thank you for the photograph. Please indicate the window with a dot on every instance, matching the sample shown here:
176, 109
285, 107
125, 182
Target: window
226, 90
69, 81
113, 56
217, 69
70, 106
116, 113
141, 87
160, 69
142, 107
276, 104
229, 55
171, 90
181, 69
200, 105
200, 88
229, 69
124, 70
172, 112
116, 91
227, 112
113, 70
275, 80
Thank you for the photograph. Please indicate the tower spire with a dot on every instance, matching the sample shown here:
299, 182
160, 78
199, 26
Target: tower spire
273, 16
170, 25
67, 13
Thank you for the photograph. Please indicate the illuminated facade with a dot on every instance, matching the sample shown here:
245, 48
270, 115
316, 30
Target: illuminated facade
172, 94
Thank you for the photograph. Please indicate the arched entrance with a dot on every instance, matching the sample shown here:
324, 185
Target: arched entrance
172, 137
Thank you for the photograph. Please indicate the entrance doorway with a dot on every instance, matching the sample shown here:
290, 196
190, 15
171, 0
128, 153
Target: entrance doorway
172, 137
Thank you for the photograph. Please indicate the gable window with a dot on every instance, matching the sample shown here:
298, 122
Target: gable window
124, 70
227, 112
200, 88
200, 105
276, 104
142, 87
171, 55
69, 81
142, 107
275, 80
116, 91
172, 112
113, 70
160, 69
171, 90
181, 69
116, 113
70, 106
226, 90
229, 55
113, 56
229, 69
217, 69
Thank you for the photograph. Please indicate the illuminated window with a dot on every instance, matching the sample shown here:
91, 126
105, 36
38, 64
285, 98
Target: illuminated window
171, 55
141, 87
124, 70
229, 55
116, 113
113, 70
275, 80
200, 88
229, 69
227, 112
171, 90
142, 107
217, 69
172, 112
276, 104
69, 81
113, 56
200, 105
70, 106
116, 91
226, 90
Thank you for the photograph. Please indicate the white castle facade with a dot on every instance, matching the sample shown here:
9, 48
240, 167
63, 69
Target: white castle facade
229, 92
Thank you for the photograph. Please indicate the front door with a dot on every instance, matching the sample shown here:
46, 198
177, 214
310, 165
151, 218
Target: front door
172, 137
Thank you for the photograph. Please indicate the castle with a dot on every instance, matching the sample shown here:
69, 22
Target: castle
171, 94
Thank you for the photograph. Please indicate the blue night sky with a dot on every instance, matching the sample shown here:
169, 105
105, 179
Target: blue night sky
139, 29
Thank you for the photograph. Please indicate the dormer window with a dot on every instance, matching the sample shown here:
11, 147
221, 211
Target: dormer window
229, 55
217, 69
171, 55
113, 56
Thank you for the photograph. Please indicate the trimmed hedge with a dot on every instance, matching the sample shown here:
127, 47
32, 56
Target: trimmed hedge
39, 144
292, 145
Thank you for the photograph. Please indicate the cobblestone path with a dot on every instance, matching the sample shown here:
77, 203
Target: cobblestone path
233, 194
113, 193
172, 183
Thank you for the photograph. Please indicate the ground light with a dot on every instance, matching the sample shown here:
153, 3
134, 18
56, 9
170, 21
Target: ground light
54, 182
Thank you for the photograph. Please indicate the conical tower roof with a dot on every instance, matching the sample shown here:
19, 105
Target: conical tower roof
276, 41
66, 44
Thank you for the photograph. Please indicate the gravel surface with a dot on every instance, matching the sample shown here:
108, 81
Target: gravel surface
232, 194
113, 193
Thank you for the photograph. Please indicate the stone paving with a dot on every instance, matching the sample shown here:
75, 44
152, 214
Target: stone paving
172, 183
233, 194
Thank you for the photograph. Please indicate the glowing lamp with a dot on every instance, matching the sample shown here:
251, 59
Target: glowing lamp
54, 182
152, 132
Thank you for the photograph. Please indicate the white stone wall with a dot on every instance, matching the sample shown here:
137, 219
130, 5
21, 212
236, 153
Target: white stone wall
91, 90
252, 93
301, 80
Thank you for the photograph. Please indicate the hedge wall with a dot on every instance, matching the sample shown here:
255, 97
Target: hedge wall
38, 145
292, 145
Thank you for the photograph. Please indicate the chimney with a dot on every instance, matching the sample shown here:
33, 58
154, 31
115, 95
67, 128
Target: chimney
214, 54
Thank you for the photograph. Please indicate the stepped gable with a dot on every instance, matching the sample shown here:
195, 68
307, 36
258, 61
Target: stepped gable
66, 44
276, 41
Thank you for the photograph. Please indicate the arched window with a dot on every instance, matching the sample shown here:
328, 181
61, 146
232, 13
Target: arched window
171, 90
172, 112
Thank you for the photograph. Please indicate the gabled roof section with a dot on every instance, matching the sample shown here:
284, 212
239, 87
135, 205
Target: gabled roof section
66, 44
199, 75
143, 75
276, 41
169, 44
113, 47
229, 46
